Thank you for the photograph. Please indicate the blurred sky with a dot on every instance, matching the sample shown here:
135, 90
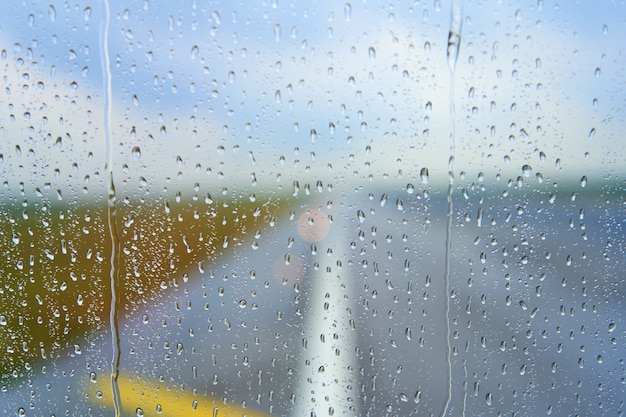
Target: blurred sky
253, 91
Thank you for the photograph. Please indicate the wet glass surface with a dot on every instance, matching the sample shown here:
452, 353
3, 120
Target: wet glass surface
281, 208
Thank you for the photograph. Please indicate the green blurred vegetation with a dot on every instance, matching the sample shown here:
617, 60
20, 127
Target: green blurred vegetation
55, 285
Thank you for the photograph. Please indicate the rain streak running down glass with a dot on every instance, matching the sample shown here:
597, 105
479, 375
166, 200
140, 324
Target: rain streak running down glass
323, 208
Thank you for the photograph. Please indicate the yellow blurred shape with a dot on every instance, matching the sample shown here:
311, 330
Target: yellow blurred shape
156, 399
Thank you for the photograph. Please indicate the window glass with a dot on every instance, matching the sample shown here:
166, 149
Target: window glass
312, 208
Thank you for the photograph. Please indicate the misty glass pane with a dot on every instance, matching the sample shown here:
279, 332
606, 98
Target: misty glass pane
312, 208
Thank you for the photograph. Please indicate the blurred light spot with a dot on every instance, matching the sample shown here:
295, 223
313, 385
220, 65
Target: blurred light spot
313, 225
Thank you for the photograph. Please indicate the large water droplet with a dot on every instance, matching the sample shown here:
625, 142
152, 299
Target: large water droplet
136, 153
424, 175
454, 35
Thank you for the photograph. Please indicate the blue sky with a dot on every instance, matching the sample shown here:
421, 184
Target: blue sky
239, 96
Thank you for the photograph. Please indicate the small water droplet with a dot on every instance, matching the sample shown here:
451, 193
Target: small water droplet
372, 53
592, 133
194, 51
277, 32
347, 11
542, 156
136, 153
52, 13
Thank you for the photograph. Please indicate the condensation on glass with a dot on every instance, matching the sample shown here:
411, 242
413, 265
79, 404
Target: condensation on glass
317, 209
